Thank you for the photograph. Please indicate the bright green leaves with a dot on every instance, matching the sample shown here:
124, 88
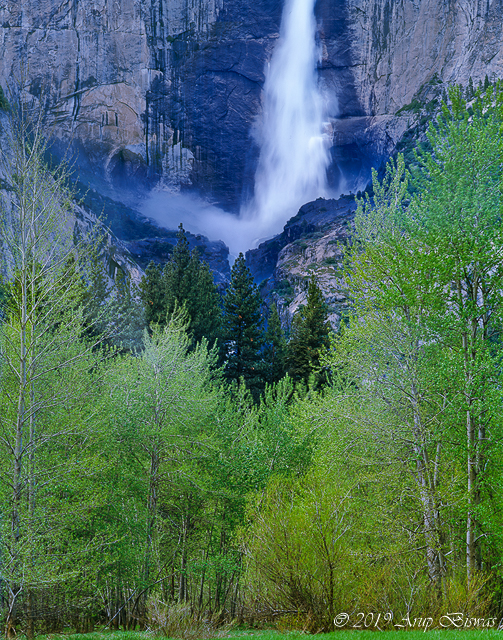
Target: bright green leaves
405, 487
426, 277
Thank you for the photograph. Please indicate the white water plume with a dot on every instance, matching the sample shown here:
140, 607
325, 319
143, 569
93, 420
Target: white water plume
293, 148
294, 155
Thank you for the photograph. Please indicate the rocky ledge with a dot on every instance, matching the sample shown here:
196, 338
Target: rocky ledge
311, 243
144, 240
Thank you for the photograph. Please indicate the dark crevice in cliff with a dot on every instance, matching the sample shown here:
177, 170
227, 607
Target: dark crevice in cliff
77, 93
350, 161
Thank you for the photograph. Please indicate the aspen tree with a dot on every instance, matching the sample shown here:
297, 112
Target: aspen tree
44, 361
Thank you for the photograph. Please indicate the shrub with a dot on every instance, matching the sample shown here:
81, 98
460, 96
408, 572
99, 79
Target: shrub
179, 621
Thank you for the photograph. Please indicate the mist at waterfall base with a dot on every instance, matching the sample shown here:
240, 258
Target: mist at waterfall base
200, 217
291, 134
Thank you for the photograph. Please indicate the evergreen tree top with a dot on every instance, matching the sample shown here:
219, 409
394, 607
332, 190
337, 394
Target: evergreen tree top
242, 326
242, 295
310, 333
181, 252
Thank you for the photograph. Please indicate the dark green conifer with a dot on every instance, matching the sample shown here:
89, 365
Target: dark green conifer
4, 297
152, 295
129, 313
275, 348
470, 92
179, 272
187, 283
310, 334
205, 312
96, 295
242, 327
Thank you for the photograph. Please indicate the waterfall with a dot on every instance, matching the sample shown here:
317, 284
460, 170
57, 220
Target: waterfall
293, 150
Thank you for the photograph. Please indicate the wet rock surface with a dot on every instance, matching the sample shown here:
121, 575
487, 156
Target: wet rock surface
311, 243
153, 90
143, 240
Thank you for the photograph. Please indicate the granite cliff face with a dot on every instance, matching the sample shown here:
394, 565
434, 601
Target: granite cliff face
379, 56
311, 244
147, 89
168, 90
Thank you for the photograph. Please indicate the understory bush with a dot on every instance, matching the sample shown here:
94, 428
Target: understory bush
319, 547
174, 620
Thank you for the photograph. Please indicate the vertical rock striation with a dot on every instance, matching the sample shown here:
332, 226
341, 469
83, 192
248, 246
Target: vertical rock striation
168, 90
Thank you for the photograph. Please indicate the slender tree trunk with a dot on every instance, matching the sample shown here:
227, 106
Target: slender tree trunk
151, 509
470, 353
205, 559
182, 586
471, 490
427, 490
15, 588
30, 613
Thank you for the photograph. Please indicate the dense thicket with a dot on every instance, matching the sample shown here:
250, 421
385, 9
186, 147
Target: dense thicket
139, 484
406, 485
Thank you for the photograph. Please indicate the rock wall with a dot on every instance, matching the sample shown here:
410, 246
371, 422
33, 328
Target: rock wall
147, 89
168, 90
401, 45
311, 244
380, 55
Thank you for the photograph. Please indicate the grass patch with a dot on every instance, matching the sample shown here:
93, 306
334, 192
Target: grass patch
98, 635
343, 634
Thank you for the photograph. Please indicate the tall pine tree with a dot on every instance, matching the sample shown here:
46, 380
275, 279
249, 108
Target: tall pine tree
242, 327
310, 333
275, 348
152, 295
205, 311
185, 282
179, 273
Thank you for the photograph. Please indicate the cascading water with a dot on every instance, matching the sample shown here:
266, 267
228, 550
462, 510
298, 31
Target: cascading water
293, 149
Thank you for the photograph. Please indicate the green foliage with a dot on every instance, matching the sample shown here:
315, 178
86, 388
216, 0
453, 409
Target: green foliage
405, 487
242, 327
338, 540
128, 313
426, 277
4, 103
414, 106
152, 295
138, 487
179, 273
185, 282
309, 336
159, 405
366, 630
284, 288
4, 297
274, 354
204, 308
